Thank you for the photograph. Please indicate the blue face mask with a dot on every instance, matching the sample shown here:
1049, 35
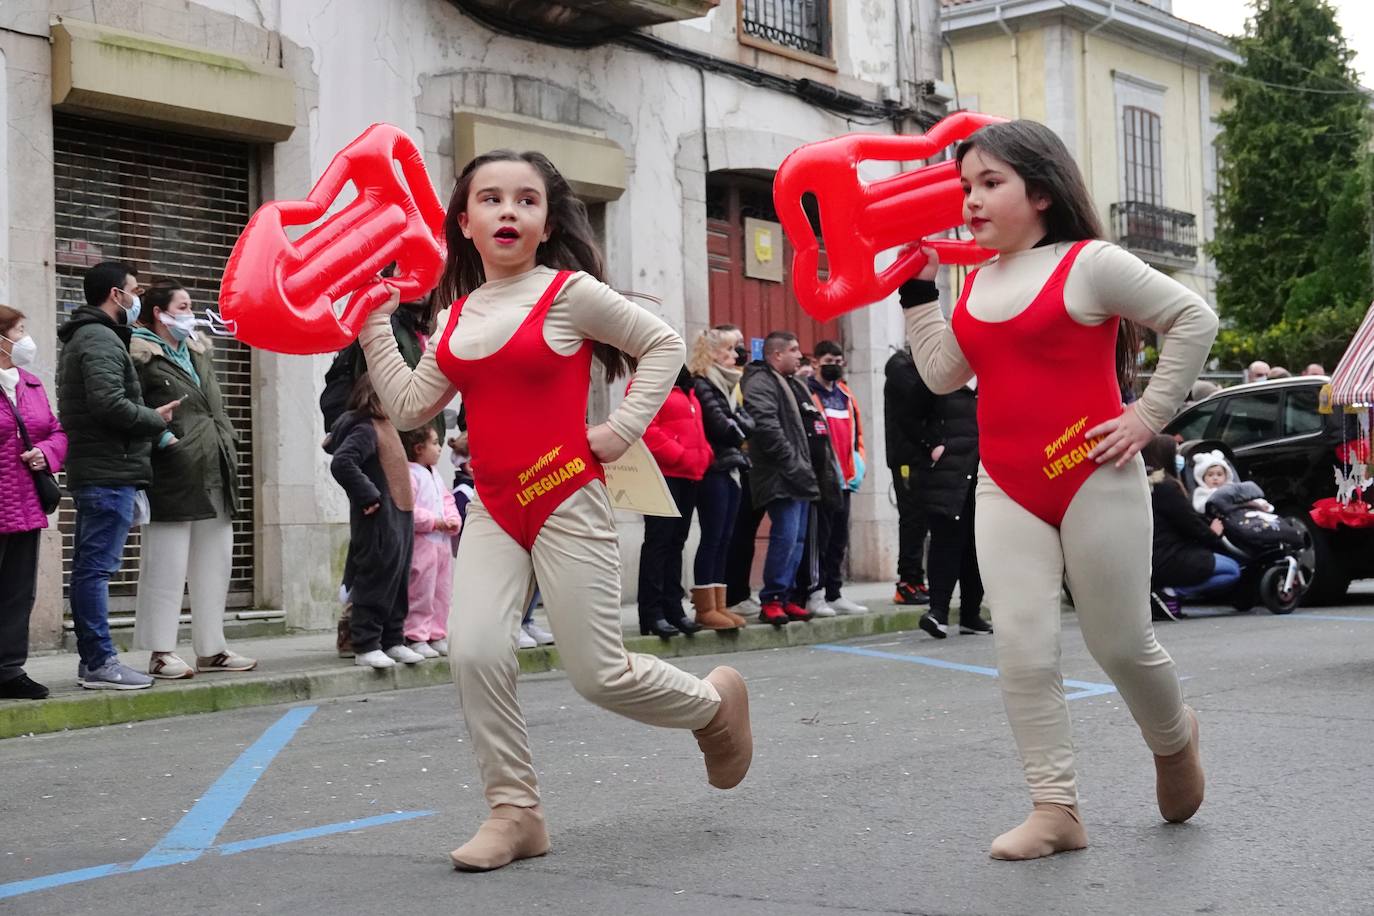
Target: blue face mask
134, 307
1179, 463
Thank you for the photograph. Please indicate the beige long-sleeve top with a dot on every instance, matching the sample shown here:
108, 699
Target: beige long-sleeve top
585, 309
1105, 281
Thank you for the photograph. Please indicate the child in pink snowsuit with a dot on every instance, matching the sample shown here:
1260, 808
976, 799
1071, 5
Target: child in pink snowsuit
431, 566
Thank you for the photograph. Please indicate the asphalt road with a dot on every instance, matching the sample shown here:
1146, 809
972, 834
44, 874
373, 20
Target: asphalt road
877, 785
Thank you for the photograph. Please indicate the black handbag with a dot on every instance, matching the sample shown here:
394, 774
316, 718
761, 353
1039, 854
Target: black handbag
49, 493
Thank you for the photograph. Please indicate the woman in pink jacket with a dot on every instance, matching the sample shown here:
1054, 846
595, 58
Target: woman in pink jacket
21, 513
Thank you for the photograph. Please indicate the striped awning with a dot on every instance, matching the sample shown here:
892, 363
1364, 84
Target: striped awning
1352, 384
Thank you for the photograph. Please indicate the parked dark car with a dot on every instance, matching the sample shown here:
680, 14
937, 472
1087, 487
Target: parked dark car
1283, 444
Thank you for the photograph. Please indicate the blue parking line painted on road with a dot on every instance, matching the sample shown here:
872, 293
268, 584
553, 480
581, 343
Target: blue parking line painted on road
30, 885
1302, 616
61, 879
197, 830
1082, 688
277, 839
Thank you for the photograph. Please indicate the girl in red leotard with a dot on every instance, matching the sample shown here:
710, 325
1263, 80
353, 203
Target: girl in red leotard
1048, 328
530, 314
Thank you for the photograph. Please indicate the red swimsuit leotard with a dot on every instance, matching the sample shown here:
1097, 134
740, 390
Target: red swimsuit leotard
1044, 380
526, 412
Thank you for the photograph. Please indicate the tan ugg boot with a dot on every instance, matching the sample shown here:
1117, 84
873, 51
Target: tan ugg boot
1179, 780
1049, 829
718, 593
704, 601
509, 833
727, 740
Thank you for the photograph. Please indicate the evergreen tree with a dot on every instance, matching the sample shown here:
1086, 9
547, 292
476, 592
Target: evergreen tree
1292, 243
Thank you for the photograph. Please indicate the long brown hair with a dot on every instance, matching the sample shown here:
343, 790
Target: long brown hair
1047, 167
1161, 454
571, 244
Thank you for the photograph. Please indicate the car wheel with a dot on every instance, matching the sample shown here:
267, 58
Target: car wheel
1328, 581
1275, 597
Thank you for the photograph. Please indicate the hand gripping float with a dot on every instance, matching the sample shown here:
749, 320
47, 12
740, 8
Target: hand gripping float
279, 295
860, 219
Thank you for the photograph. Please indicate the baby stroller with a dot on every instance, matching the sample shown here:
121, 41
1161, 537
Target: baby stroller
1276, 556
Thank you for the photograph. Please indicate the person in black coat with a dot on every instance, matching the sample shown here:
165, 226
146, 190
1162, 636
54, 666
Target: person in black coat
1187, 561
946, 480
369, 462
901, 398
715, 377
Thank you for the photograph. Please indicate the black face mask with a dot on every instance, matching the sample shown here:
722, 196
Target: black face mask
831, 372
741, 356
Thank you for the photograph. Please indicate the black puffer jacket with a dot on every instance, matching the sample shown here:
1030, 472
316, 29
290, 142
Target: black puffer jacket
902, 393
950, 420
100, 403
778, 450
1183, 541
726, 429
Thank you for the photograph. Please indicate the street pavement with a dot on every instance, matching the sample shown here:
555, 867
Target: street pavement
883, 768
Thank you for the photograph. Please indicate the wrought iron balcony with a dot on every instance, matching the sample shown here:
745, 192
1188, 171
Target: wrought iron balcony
1159, 235
801, 25
583, 21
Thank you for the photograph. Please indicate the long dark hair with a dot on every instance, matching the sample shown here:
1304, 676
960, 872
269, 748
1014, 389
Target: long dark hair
571, 244
1047, 167
1161, 454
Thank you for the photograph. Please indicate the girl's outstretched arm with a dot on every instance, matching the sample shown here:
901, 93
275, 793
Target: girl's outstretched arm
933, 348
411, 397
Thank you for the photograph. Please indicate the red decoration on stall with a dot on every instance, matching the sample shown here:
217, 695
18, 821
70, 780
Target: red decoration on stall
279, 294
1330, 513
859, 220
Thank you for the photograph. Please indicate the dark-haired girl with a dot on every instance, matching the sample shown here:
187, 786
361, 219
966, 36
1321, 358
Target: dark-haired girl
531, 312
1047, 328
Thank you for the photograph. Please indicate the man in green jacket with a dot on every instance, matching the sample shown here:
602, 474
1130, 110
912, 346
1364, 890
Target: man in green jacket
110, 432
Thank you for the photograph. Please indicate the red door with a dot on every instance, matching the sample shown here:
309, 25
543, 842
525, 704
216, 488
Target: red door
754, 306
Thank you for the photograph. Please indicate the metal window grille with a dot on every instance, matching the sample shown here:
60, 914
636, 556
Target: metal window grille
172, 206
799, 24
1144, 155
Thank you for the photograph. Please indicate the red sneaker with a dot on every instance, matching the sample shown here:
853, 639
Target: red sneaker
773, 613
911, 593
797, 612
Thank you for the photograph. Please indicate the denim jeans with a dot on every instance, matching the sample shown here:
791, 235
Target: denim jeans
717, 505
786, 542
1225, 572
103, 518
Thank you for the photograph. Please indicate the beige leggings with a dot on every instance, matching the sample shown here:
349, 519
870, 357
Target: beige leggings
576, 560
1103, 548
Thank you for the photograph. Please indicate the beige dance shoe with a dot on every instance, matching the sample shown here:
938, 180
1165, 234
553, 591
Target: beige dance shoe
1049, 829
728, 739
509, 833
1179, 780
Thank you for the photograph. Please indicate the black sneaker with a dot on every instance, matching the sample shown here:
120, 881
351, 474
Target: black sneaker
911, 593
23, 687
934, 627
975, 627
1165, 607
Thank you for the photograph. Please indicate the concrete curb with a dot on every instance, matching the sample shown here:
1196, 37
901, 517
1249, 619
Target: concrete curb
217, 693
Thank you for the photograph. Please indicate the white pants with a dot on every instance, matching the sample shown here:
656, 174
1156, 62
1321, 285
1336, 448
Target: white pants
173, 554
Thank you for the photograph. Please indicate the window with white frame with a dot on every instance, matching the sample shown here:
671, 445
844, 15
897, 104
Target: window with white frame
1143, 156
1140, 139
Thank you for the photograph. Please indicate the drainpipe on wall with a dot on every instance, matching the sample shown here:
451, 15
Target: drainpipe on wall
1015, 63
1083, 76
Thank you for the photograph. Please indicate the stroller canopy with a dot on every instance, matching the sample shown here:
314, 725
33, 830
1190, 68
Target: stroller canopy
1352, 384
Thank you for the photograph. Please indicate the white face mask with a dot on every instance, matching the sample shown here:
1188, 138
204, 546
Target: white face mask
182, 325
22, 351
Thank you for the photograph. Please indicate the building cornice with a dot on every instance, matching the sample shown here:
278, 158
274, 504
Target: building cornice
1126, 19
